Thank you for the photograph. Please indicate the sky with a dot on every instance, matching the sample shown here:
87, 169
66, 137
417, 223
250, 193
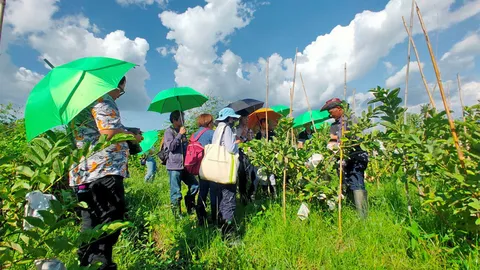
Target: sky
221, 47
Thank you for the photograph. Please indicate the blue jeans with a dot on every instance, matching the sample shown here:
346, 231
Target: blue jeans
205, 188
354, 172
151, 165
176, 178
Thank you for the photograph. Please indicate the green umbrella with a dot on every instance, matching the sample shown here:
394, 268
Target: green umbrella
149, 139
307, 117
177, 98
281, 109
321, 124
68, 89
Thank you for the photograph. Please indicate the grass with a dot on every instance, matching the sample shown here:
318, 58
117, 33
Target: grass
382, 241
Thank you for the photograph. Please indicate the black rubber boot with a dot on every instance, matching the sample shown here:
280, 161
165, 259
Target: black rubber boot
201, 214
190, 204
361, 202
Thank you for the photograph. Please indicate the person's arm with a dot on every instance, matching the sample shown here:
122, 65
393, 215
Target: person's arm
172, 141
229, 141
108, 121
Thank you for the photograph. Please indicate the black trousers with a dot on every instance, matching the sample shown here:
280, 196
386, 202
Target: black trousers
242, 176
106, 203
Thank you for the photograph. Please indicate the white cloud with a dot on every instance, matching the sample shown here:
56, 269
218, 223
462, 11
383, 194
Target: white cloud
399, 78
166, 50
389, 66
203, 67
162, 3
72, 37
462, 54
30, 15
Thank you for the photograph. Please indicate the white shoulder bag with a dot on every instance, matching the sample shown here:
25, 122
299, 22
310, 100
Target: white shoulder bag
218, 165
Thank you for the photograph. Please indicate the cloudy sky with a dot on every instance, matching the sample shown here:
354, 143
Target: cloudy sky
220, 47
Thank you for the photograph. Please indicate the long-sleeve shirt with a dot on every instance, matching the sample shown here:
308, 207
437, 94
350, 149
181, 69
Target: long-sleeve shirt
176, 145
227, 139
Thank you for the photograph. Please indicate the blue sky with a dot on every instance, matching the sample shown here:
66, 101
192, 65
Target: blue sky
276, 28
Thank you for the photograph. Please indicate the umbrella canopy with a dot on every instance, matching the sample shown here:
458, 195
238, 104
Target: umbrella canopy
281, 109
309, 116
177, 98
149, 139
255, 117
246, 106
68, 89
322, 124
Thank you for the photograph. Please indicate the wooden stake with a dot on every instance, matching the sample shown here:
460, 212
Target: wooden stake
284, 197
345, 83
3, 3
266, 101
408, 65
341, 180
461, 157
308, 103
461, 102
292, 94
430, 97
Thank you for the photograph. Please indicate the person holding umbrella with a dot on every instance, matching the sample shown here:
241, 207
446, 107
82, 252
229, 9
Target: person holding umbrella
98, 179
176, 143
357, 161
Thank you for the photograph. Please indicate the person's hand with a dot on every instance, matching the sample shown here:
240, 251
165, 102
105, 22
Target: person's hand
183, 130
238, 141
138, 137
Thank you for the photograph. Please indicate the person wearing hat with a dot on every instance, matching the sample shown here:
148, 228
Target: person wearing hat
227, 192
357, 161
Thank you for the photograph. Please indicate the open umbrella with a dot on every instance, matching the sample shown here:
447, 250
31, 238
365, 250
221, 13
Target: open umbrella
246, 106
177, 98
149, 139
309, 116
281, 109
255, 117
68, 89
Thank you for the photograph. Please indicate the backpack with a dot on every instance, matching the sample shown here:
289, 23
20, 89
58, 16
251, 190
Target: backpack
194, 155
163, 154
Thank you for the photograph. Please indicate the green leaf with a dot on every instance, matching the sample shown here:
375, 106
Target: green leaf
475, 205
14, 246
58, 167
56, 207
477, 222
35, 222
24, 170
48, 218
59, 244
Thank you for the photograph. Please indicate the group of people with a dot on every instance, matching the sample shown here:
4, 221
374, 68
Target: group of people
98, 178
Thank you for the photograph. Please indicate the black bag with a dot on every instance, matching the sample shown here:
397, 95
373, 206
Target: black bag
163, 154
133, 146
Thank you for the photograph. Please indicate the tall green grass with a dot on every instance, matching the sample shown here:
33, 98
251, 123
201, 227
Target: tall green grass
381, 242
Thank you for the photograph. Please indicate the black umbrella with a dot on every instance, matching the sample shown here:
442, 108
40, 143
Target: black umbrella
246, 106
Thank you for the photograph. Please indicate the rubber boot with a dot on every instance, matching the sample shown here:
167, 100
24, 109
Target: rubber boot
227, 230
361, 202
201, 214
190, 204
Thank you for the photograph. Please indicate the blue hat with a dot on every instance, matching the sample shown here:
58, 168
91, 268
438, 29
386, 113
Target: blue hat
225, 113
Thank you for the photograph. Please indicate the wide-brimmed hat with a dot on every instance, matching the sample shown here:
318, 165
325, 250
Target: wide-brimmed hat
332, 103
225, 113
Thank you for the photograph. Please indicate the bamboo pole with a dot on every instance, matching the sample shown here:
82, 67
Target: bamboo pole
341, 180
442, 92
408, 64
292, 94
3, 3
284, 197
308, 103
461, 101
430, 97
345, 82
266, 101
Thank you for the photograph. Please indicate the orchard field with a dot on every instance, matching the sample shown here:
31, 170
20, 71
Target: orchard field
424, 208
